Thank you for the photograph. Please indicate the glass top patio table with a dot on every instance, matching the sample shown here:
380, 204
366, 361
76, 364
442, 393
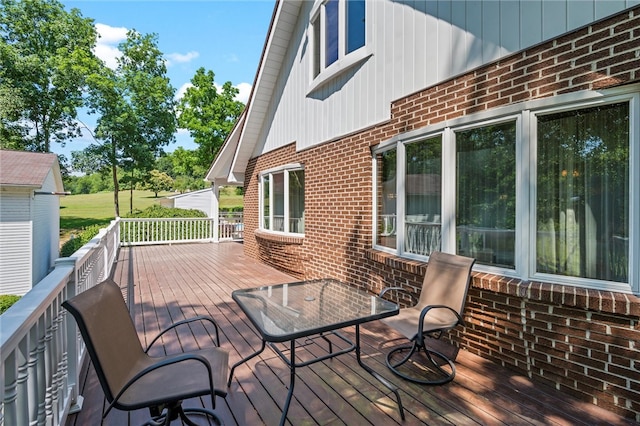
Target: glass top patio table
286, 312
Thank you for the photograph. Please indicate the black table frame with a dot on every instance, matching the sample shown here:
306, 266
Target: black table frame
319, 332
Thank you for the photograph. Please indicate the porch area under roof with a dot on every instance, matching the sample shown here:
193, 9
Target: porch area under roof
166, 283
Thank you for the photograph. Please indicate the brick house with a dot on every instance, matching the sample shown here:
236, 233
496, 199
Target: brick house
378, 132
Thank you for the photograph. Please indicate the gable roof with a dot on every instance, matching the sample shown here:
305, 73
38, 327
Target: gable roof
28, 169
231, 162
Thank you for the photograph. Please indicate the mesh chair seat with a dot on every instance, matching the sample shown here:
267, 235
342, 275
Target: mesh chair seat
131, 378
439, 309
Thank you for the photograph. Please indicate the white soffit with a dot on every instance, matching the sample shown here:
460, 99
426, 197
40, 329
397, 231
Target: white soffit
284, 22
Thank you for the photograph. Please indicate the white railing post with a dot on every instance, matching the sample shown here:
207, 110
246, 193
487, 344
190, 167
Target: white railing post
215, 212
73, 349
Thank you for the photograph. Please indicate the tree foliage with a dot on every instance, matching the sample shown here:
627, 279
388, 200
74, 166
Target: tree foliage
45, 56
183, 165
208, 114
136, 107
159, 181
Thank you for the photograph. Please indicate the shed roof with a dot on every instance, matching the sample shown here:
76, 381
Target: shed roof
27, 169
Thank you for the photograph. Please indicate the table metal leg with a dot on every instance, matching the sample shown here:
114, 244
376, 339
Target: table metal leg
292, 382
242, 361
381, 379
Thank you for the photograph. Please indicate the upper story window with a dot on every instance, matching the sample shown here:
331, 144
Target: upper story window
547, 193
338, 29
282, 200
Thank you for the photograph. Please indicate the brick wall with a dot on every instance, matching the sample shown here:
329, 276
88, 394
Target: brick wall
585, 342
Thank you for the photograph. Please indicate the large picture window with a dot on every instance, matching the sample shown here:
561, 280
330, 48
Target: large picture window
282, 200
536, 194
486, 194
582, 203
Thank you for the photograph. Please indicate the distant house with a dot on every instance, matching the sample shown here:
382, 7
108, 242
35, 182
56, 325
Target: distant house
380, 131
198, 200
29, 218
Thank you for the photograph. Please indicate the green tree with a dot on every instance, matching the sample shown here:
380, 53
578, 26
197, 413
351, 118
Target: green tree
136, 107
45, 56
184, 166
159, 181
208, 114
11, 131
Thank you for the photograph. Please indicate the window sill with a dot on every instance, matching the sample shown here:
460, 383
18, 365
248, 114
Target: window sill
279, 237
565, 295
339, 67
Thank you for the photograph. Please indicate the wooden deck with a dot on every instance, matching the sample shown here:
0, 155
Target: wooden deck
169, 283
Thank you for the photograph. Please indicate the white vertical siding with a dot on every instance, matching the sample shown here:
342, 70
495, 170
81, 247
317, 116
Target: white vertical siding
198, 200
46, 229
414, 45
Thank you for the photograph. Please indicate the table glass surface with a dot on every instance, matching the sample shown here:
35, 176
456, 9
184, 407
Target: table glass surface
288, 311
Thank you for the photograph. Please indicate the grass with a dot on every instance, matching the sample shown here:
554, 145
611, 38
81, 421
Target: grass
80, 211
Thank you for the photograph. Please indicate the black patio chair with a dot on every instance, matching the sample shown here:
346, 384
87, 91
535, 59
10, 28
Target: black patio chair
130, 377
439, 309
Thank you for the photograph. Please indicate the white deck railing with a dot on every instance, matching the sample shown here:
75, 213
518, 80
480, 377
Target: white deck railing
40, 347
179, 230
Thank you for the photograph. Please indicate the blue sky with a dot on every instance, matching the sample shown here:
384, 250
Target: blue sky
226, 37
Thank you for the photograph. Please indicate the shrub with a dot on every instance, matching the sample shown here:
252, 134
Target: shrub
78, 241
6, 301
157, 211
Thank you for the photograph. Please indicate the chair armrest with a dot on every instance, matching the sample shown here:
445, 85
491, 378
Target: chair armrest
187, 321
400, 289
430, 307
164, 363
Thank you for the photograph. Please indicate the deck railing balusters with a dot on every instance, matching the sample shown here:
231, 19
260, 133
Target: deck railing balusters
40, 347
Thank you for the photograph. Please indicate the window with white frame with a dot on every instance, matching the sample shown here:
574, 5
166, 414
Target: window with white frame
338, 29
582, 199
282, 200
422, 196
486, 193
544, 193
386, 198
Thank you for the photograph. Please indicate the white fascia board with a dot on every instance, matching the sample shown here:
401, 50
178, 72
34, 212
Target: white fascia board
282, 25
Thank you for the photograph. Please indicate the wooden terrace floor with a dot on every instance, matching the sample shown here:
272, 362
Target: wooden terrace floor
169, 283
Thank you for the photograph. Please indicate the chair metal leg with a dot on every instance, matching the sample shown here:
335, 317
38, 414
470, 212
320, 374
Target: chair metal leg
175, 411
430, 356
199, 411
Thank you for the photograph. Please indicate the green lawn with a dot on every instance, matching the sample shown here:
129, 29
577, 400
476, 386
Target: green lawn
79, 211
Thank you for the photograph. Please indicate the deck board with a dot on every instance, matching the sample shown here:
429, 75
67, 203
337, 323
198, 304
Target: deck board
170, 283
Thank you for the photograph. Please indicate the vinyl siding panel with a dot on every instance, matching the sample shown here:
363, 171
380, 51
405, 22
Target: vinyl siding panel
15, 258
414, 45
199, 200
46, 229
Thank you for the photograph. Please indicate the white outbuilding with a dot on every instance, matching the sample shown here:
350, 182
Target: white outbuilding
30, 185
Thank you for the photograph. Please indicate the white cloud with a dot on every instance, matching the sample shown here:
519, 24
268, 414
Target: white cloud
182, 90
107, 43
179, 58
244, 90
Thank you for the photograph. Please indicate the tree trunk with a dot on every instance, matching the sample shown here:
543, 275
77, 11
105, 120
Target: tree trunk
116, 189
114, 172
